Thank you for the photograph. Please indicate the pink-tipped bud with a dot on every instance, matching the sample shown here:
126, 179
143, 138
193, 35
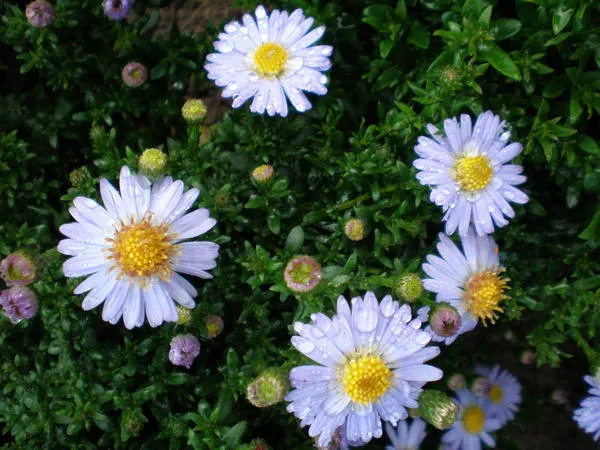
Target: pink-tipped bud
481, 387
39, 13
302, 274
19, 303
444, 320
17, 269
527, 357
134, 74
214, 326
456, 382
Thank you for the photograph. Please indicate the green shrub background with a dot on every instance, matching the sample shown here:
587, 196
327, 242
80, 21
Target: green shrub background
69, 380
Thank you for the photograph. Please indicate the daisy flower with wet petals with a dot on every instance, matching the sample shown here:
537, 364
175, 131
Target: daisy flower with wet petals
504, 392
132, 249
469, 172
369, 368
471, 281
271, 59
587, 415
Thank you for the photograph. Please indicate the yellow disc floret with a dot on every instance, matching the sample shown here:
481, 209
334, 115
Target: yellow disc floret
270, 59
142, 249
484, 291
366, 378
496, 394
473, 419
473, 173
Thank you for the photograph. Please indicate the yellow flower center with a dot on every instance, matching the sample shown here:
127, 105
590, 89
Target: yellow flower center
473, 419
496, 394
366, 378
473, 173
485, 290
142, 250
270, 60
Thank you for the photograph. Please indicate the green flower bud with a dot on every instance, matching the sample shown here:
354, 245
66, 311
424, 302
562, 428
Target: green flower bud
438, 409
152, 162
268, 388
408, 287
355, 230
193, 111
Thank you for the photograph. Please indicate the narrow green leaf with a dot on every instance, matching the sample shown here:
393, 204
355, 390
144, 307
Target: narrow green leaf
505, 28
561, 18
501, 61
587, 144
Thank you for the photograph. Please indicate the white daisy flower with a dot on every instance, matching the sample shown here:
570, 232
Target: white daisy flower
467, 324
270, 59
370, 367
504, 392
471, 281
587, 415
133, 248
468, 170
405, 437
473, 425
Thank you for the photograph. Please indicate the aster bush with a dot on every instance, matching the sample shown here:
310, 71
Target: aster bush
319, 146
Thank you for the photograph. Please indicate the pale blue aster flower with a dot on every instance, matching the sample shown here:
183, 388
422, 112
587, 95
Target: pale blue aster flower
468, 171
473, 426
504, 392
406, 437
471, 281
587, 415
467, 324
370, 368
132, 250
271, 59
117, 9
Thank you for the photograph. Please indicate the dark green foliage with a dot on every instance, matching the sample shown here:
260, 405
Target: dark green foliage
69, 380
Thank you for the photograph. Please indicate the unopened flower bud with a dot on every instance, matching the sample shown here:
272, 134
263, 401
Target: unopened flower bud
269, 388
19, 303
355, 230
262, 174
444, 320
259, 444
559, 397
481, 387
510, 336
214, 326
408, 287
152, 162
78, 177
134, 74
438, 409
17, 269
184, 315
193, 111
456, 382
527, 357
302, 274
184, 350
39, 13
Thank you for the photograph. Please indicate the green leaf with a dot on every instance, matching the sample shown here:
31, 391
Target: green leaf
295, 239
418, 36
233, 436
473, 8
505, 28
593, 228
587, 144
273, 223
401, 11
385, 47
501, 61
160, 70
561, 18
378, 15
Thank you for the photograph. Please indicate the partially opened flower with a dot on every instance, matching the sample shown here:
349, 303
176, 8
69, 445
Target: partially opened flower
17, 269
405, 436
504, 392
19, 303
474, 425
469, 172
471, 280
133, 248
39, 13
271, 59
185, 348
369, 368
134, 74
587, 415
117, 9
